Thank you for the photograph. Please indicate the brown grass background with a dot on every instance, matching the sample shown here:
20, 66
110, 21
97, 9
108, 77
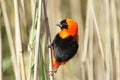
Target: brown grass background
98, 57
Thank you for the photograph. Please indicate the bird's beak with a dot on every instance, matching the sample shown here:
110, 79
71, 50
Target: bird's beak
59, 24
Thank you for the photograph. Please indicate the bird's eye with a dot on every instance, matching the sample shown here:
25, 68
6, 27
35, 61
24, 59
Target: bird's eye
64, 24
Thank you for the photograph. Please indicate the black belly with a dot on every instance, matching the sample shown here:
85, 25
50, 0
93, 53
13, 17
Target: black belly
64, 49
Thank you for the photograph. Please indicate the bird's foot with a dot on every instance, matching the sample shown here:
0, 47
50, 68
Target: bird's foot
52, 72
49, 45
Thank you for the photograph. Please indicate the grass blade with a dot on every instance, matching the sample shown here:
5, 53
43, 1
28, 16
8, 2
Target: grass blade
1, 71
19, 50
49, 40
116, 40
37, 41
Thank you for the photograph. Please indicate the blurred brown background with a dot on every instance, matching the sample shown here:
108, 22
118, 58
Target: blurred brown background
98, 57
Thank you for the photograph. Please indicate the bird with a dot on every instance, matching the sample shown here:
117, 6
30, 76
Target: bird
65, 43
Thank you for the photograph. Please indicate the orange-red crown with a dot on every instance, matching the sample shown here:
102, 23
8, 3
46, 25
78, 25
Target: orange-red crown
72, 27
68, 27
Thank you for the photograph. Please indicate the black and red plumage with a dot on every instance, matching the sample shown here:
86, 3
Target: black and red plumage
65, 43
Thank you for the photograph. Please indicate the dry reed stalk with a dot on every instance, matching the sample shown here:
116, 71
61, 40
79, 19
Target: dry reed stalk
90, 48
24, 14
90, 51
108, 41
98, 36
1, 77
99, 40
19, 50
36, 57
23, 6
49, 39
10, 38
116, 39
84, 52
22, 65
32, 8
30, 65
83, 71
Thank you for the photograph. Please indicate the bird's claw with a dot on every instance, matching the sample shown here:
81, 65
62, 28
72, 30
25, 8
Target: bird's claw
52, 72
49, 45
